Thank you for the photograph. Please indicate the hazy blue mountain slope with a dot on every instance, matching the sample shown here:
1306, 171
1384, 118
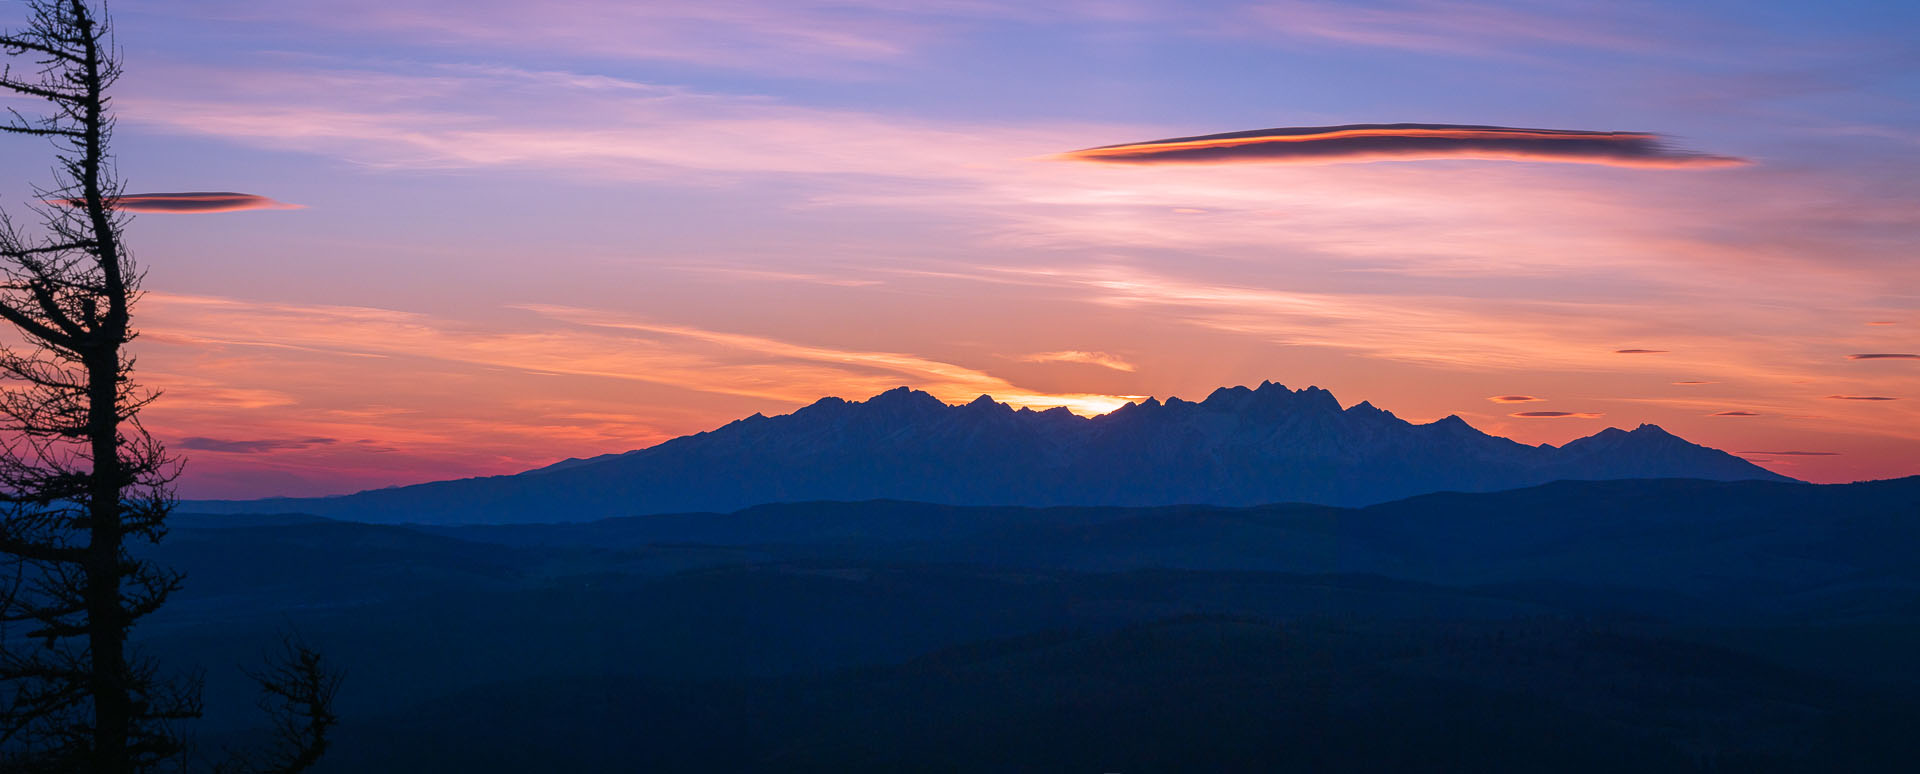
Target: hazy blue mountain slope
1837, 550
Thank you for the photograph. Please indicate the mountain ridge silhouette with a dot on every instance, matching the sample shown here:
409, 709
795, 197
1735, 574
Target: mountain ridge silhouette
1239, 446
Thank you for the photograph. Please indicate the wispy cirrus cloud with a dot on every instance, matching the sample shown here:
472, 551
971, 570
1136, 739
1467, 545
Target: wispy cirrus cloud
947, 381
1407, 142
1885, 356
822, 39
1860, 397
1450, 26
254, 385
1437, 330
1101, 359
588, 342
473, 117
773, 275
1384, 217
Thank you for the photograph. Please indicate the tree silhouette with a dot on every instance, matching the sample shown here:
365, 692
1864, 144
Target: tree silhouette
80, 477
296, 690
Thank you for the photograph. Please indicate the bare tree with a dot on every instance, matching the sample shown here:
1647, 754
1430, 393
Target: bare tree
296, 690
79, 476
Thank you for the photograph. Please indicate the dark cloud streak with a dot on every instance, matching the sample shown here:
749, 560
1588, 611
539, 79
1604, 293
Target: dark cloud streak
1407, 142
191, 202
201, 443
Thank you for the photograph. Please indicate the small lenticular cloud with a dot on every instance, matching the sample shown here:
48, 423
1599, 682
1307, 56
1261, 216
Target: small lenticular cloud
1513, 398
1885, 356
1859, 397
1695, 382
1639, 351
1734, 414
1406, 142
1557, 414
199, 443
193, 202
1101, 359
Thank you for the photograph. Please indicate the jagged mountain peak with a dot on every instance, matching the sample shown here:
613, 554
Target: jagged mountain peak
1225, 394
1367, 409
1269, 394
905, 397
827, 402
1645, 435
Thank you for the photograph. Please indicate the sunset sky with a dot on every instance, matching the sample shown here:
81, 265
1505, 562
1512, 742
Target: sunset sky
469, 237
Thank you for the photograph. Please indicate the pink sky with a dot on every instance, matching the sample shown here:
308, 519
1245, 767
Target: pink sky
494, 238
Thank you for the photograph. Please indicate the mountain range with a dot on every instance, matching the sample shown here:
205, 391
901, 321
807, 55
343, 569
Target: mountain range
1240, 446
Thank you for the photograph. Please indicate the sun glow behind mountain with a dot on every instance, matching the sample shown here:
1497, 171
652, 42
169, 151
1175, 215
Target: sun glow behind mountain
1084, 405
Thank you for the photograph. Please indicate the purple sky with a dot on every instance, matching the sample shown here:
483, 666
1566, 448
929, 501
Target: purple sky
489, 235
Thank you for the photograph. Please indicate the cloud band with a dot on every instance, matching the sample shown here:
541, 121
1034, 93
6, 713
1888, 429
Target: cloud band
1101, 359
201, 443
1408, 142
194, 202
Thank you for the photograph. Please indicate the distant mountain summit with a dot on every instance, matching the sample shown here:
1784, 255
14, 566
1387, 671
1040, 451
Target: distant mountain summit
1240, 446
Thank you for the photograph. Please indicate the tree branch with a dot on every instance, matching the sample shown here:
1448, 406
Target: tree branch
37, 328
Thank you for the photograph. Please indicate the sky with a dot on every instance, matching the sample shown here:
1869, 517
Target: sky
436, 238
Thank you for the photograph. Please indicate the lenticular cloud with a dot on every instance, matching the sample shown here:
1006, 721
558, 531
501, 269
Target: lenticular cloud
193, 202
1408, 142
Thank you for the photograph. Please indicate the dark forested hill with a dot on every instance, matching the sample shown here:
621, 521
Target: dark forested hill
1652, 625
